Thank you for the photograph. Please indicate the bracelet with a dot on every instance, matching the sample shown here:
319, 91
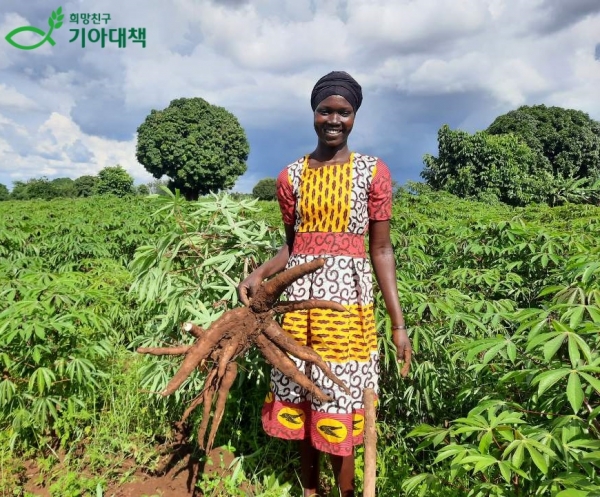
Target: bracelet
399, 327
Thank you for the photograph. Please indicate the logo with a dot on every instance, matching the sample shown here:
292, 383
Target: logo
55, 21
291, 417
332, 430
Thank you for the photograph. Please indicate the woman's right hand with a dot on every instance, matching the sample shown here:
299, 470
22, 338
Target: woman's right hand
247, 288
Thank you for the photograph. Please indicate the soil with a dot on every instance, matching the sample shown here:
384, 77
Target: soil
176, 476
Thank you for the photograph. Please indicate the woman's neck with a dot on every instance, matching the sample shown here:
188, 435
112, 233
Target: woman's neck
332, 155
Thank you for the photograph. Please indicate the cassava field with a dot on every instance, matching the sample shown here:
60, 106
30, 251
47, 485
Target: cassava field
502, 304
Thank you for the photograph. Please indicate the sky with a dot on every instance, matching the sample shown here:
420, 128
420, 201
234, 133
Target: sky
68, 110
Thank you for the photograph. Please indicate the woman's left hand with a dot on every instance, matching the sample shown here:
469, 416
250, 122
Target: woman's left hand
403, 349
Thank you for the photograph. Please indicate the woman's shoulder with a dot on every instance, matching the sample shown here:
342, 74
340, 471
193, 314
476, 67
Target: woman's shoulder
370, 165
291, 171
294, 167
367, 159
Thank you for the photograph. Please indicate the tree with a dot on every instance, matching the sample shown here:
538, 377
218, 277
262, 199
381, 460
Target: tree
114, 181
488, 167
142, 190
85, 186
35, 188
4, 193
569, 140
201, 147
19, 191
265, 189
65, 187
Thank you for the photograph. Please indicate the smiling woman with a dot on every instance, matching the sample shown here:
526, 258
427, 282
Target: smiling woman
329, 199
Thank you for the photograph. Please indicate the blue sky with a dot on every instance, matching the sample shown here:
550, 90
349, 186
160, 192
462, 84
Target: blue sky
68, 111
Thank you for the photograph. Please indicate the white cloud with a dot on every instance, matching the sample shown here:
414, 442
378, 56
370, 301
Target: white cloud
49, 145
260, 59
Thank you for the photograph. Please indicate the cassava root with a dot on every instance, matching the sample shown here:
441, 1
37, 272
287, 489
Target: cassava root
230, 336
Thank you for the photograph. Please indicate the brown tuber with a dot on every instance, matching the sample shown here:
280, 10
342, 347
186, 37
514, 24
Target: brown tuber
230, 336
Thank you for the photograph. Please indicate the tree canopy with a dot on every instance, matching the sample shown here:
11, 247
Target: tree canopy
486, 167
85, 186
65, 187
201, 147
568, 139
265, 189
4, 193
114, 181
532, 154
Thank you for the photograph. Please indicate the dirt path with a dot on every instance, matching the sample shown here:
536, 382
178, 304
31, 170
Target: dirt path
176, 477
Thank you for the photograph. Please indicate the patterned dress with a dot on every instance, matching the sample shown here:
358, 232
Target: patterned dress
330, 208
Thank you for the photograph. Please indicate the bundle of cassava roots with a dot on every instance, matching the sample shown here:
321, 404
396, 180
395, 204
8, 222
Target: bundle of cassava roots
216, 349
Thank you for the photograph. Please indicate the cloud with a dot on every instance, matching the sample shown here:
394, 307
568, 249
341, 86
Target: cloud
557, 14
78, 152
421, 64
10, 97
59, 148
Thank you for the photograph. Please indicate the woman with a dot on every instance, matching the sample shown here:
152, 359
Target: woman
329, 199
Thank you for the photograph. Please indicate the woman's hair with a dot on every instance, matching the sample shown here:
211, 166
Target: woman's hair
337, 83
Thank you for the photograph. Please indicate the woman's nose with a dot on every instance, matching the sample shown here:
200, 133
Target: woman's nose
334, 117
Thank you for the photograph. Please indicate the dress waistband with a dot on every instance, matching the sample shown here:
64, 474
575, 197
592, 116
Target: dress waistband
316, 243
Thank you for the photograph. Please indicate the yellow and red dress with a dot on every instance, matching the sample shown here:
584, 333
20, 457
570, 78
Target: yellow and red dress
330, 208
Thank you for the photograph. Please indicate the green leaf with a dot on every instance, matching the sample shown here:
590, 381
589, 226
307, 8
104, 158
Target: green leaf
505, 471
595, 382
485, 442
482, 461
575, 392
413, 483
518, 456
594, 313
538, 459
572, 492
552, 346
574, 354
576, 317
549, 378
511, 350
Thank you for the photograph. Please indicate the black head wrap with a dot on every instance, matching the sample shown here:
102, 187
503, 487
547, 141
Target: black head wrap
337, 83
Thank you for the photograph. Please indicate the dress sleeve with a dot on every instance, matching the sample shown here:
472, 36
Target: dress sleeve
285, 196
380, 193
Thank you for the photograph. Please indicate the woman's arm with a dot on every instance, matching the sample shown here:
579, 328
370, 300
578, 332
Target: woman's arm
384, 266
272, 266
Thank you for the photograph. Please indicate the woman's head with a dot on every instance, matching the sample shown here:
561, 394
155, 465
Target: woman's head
335, 99
337, 83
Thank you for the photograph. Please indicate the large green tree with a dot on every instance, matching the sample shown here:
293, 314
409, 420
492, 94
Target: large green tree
4, 193
114, 181
34, 188
65, 187
202, 148
487, 167
19, 191
568, 139
85, 186
265, 189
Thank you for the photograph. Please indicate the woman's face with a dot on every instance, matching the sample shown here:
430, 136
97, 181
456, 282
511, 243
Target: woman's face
334, 118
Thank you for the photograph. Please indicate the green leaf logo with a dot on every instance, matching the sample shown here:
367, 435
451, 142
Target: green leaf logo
55, 21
